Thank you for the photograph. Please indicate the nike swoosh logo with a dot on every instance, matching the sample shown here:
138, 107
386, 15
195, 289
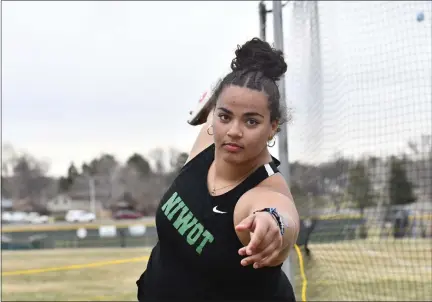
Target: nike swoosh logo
217, 211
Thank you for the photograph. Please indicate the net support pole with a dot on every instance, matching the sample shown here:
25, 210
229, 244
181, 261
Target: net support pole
263, 20
288, 266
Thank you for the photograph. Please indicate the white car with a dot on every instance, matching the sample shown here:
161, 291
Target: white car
6, 216
79, 216
40, 219
14, 217
34, 217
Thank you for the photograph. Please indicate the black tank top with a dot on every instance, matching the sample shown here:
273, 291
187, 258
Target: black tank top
196, 257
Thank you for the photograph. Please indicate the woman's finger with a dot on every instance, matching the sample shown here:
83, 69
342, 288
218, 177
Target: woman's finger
268, 260
272, 245
257, 237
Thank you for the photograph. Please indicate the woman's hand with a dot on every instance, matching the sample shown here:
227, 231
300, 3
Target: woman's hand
265, 239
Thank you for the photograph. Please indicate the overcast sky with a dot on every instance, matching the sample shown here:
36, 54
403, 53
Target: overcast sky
81, 78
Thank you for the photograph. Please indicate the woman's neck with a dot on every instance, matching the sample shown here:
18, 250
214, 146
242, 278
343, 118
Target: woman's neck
229, 171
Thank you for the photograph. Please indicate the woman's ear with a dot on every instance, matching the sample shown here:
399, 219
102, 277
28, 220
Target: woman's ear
275, 128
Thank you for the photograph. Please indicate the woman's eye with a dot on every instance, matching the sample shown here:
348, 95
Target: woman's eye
252, 122
223, 117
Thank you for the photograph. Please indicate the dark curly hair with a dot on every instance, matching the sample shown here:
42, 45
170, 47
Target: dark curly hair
257, 66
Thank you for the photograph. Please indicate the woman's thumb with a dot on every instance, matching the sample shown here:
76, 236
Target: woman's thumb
246, 224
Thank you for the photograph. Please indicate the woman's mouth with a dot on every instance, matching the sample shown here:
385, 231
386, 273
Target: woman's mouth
232, 147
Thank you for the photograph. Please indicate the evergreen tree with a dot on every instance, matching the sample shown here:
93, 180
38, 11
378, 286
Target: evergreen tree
359, 187
401, 189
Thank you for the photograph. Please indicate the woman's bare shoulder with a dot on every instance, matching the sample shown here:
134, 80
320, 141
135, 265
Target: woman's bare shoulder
273, 187
275, 183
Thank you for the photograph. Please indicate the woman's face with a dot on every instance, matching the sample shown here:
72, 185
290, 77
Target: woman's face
241, 124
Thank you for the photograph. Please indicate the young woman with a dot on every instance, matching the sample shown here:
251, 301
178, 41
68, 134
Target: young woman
228, 221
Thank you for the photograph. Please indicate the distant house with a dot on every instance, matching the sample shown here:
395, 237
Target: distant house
78, 196
81, 189
63, 203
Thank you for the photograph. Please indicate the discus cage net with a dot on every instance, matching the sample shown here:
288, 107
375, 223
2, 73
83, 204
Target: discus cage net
359, 86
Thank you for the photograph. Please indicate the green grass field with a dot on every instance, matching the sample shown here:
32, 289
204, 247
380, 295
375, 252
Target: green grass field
106, 282
357, 270
384, 270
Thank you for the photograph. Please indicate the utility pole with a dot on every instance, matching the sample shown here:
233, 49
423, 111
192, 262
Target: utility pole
92, 193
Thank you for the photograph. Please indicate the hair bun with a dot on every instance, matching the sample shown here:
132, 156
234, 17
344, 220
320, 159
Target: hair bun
257, 55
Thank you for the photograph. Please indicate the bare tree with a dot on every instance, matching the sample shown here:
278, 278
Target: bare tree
157, 155
24, 177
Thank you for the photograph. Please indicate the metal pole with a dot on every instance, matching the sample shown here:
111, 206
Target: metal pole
287, 267
263, 20
278, 44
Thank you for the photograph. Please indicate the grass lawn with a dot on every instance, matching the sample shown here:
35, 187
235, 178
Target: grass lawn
385, 270
106, 280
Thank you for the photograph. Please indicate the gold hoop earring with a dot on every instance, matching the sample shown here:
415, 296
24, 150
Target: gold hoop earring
269, 144
208, 130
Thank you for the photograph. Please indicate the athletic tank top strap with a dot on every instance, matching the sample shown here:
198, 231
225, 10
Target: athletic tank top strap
254, 179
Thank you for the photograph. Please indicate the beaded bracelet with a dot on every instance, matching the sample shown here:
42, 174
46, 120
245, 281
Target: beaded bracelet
276, 215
